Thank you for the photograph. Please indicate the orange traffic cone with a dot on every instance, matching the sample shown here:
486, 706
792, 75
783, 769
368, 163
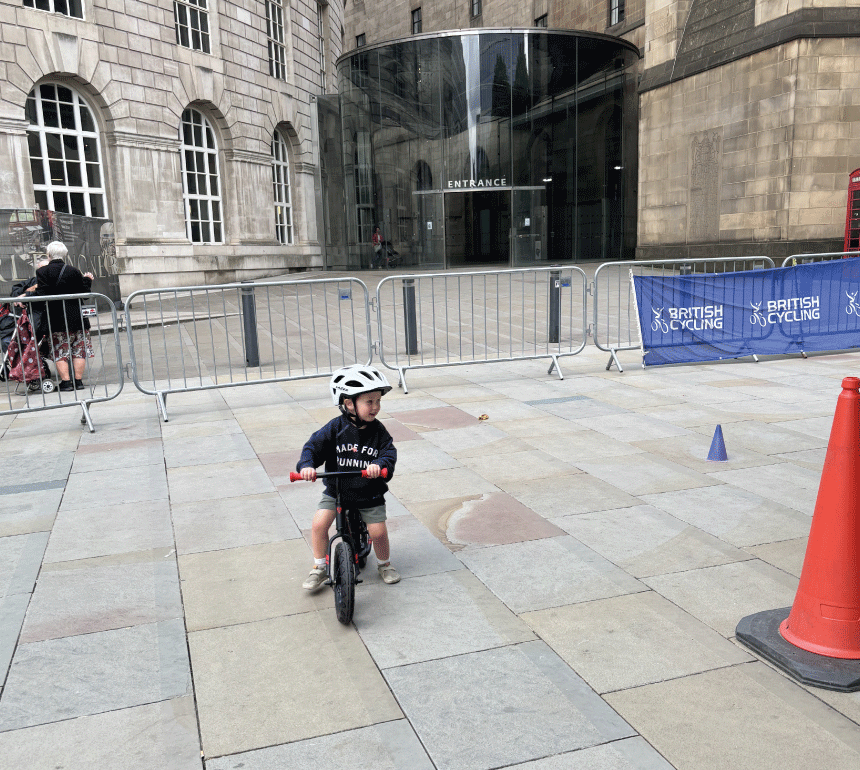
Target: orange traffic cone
825, 616
817, 640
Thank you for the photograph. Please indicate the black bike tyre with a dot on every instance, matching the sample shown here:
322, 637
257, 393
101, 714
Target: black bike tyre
344, 582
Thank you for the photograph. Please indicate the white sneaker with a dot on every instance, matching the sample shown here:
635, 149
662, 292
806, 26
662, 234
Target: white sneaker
315, 579
388, 573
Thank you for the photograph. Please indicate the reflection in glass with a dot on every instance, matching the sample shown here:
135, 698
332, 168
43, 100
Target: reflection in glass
489, 147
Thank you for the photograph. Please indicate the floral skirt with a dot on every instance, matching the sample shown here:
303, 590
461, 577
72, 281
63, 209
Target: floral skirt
74, 345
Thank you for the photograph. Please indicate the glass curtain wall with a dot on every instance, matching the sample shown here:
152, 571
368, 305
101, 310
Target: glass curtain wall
490, 147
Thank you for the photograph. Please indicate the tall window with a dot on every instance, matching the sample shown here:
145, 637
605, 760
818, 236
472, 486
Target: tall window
542, 21
476, 8
281, 183
363, 187
201, 187
191, 18
66, 7
416, 21
360, 40
65, 158
323, 42
616, 12
275, 31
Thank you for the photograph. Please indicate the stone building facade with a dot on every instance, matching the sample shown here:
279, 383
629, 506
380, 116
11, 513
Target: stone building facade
196, 119
749, 111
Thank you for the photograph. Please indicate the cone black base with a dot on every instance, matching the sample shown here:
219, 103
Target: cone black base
760, 632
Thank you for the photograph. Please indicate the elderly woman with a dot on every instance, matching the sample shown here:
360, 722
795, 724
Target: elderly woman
69, 335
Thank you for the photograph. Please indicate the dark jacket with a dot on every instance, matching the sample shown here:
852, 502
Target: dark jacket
65, 315
35, 310
343, 447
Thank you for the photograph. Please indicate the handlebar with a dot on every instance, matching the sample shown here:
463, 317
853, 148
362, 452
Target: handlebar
363, 473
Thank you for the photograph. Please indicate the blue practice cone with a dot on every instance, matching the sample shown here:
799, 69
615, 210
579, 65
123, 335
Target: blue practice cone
718, 447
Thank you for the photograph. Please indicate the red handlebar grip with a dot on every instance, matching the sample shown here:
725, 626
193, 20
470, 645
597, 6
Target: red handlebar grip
383, 472
295, 476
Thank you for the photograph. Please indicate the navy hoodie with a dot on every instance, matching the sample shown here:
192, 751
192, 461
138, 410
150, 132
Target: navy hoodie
343, 447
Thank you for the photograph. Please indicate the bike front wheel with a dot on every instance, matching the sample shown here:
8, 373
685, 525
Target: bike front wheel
344, 581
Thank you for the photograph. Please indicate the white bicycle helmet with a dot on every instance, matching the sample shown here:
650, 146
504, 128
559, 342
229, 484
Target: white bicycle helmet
352, 381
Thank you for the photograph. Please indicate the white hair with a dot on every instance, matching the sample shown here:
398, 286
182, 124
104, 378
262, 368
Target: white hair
57, 250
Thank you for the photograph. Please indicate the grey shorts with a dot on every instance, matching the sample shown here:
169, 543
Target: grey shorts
374, 515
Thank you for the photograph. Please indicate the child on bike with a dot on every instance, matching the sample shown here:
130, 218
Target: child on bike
355, 440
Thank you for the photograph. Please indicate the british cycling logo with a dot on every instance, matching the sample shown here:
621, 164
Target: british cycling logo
696, 318
852, 308
786, 310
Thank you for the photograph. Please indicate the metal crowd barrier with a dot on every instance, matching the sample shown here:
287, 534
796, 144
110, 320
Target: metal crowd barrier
615, 325
446, 319
805, 259
29, 378
204, 337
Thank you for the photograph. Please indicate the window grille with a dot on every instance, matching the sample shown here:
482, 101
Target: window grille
65, 157
65, 7
281, 184
275, 32
200, 178
191, 18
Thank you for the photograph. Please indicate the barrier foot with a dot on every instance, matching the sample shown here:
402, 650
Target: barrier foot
613, 359
161, 400
760, 632
555, 365
85, 417
402, 374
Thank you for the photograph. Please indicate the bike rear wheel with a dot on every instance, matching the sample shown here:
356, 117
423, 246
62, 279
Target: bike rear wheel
343, 582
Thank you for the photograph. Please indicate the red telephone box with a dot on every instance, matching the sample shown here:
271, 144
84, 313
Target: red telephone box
852, 217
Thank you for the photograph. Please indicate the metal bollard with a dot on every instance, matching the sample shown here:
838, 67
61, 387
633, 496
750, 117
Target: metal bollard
249, 326
554, 304
410, 319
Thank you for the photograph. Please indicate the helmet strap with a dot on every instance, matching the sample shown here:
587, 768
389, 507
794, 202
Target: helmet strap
352, 416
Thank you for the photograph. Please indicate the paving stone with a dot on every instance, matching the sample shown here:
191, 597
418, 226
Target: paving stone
414, 551
645, 474
29, 512
434, 616
74, 676
469, 717
386, 746
748, 716
582, 445
566, 495
786, 555
262, 684
519, 576
736, 516
84, 533
211, 525
20, 559
457, 482
12, 611
790, 485
159, 735
218, 480
111, 487
206, 450
129, 454
626, 754
628, 641
721, 596
644, 540
519, 466
480, 520
83, 597
241, 585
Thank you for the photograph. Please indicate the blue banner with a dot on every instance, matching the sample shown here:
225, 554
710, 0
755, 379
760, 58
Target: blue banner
766, 312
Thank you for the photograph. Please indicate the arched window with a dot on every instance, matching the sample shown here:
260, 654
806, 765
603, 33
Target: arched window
201, 187
281, 184
65, 158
